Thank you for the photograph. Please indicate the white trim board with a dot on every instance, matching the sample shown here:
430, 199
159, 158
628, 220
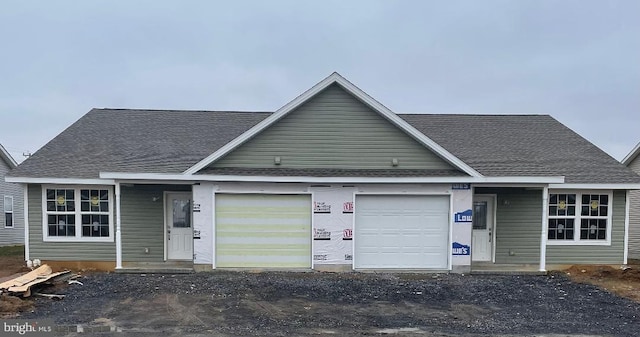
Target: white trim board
627, 209
4, 154
61, 181
302, 179
631, 156
26, 222
630, 186
356, 92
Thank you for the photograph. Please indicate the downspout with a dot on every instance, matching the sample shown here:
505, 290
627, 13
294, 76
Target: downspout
626, 226
118, 229
543, 232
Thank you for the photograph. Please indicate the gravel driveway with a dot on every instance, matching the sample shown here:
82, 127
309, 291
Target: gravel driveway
225, 303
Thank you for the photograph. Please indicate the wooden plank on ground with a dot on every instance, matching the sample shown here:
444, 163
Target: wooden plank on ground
41, 271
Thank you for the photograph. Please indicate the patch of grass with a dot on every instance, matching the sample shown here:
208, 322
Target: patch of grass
12, 251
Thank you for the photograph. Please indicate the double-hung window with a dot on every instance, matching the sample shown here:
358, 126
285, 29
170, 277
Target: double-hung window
77, 213
8, 211
582, 218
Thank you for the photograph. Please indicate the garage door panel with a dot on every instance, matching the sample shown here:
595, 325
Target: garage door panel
263, 231
262, 261
408, 232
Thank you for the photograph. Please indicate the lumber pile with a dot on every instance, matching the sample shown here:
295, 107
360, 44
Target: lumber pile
37, 278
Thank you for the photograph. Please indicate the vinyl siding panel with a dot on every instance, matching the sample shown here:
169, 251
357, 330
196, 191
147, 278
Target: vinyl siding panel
143, 221
518, 224
61, 251
333, 130
15, 235
634, 216
612, 254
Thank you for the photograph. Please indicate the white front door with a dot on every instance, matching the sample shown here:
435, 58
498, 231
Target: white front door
179, 228
483, 224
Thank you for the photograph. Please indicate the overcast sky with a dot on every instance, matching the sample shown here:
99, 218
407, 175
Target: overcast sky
578, 61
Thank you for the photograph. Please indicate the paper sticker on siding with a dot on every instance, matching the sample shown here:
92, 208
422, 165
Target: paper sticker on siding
347, 207
347, 234
321, 234
321, 207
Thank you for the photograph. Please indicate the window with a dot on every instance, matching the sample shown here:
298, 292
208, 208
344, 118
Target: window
579, 218
78, 214
8, 211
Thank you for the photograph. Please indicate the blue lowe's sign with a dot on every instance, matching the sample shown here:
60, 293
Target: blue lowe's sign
464, 216
460, 249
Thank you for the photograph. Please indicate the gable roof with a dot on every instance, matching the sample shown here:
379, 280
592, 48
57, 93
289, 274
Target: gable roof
177, 143
6, 157
171, 141
632, 155
376, 106
516, 145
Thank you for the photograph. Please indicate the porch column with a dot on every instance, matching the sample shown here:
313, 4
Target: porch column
626, 226
543, 232
118, 231
26, 220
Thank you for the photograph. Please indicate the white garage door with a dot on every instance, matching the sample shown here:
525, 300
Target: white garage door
263, 231
401, 232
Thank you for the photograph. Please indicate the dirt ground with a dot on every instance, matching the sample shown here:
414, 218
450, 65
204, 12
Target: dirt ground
622, 282
576, 302
12, 261
226, 303
11, 265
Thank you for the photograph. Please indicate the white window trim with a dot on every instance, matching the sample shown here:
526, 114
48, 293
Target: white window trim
4, 213
578, 217
78, 215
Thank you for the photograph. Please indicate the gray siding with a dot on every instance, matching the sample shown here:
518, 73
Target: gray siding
634, 216
612, 254
143, 221
333, 130
61, 251
518, 224
15, 235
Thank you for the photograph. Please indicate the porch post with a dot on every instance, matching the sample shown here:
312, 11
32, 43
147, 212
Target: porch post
626, 226
118, 229
543, 232
26, 220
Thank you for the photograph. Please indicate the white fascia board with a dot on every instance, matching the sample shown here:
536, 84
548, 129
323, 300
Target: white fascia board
596, 186
522, 180
7, 157
631, 156
303, 179
358, 93
65, 181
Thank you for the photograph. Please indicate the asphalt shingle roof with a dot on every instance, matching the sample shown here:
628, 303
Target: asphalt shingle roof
143, 141
521, 145
169, 141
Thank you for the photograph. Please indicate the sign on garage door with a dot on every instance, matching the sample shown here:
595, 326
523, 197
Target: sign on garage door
401, 232
263, 230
